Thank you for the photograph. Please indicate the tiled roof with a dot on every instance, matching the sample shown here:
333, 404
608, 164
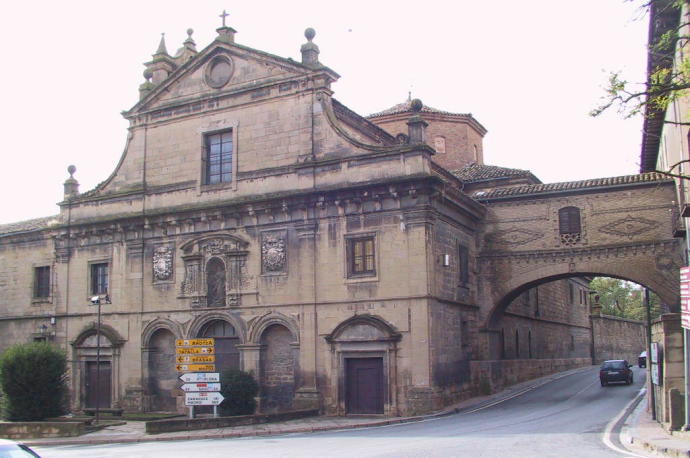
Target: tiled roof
480, 172
406, 107
570, 185
29, 225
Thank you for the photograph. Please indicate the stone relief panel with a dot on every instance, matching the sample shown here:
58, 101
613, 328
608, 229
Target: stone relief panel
274, 252
163, 263
629, 227
204, 279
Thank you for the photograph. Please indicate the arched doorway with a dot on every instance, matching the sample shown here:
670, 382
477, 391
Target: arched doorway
363, 349
161, 370
227, 354
277, 369
95, 371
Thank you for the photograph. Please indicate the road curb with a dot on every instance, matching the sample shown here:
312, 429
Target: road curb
628, 433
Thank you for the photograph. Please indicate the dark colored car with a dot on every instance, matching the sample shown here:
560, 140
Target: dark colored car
642, 359
12, 449
615, 370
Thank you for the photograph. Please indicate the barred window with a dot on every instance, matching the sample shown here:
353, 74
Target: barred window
42, 282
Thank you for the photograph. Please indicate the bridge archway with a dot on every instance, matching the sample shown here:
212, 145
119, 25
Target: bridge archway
653, 265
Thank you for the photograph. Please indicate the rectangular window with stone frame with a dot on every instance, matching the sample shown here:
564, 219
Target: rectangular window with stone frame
463, 265
218, 150
41, 282
98, 278
361, 256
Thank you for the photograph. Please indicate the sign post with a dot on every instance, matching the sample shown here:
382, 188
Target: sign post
196, 358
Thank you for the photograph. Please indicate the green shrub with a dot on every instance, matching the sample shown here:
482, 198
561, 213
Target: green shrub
239, 390
33, 381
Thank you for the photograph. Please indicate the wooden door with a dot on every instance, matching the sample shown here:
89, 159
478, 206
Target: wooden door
98, 395
364, 385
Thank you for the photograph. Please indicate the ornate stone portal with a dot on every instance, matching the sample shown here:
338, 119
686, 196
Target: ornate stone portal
215, 269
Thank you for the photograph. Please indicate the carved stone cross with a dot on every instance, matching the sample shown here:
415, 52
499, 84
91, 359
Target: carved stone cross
223, 16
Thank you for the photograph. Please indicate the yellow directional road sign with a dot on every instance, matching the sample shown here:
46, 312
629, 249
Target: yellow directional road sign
194, 350
195, 342
195, 367
195, 359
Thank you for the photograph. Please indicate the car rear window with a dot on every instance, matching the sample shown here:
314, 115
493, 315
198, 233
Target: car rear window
613, 365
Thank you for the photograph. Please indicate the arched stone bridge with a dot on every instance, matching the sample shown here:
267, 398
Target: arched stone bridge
625, 230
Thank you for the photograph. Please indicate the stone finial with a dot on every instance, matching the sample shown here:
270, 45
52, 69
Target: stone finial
310, 52
188, 49
162, 64
189, 42
416, 125
71, 185
148, 86
226, 34
162, 50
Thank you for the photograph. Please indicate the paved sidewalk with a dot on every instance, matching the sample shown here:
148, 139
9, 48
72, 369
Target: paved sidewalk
639, 430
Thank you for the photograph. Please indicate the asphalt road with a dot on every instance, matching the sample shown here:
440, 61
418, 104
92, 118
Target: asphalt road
564, 418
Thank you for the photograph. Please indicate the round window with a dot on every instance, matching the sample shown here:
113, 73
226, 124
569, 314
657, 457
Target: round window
218, 72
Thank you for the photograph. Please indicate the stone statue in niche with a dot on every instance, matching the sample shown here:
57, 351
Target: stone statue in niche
162, 263
215, 282
273, 254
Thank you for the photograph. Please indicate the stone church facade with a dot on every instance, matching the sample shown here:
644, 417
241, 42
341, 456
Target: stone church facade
331, 255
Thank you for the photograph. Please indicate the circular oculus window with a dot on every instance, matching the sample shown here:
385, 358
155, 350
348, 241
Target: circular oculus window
218, 72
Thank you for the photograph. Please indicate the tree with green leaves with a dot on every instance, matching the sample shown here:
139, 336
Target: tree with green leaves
33, 380
624, 299
668, 78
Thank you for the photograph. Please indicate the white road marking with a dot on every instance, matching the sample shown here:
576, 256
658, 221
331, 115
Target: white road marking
608, 431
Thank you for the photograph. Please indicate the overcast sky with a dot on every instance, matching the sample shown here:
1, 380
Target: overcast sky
529, 71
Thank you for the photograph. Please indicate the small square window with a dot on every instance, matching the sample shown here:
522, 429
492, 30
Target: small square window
42, 282
361, 256
99, 278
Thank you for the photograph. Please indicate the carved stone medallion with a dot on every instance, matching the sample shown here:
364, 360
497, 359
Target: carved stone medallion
273, 253
162, 263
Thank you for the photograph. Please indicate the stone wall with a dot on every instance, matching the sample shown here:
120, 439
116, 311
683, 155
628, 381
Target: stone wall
670, 406
617, 338
33, 429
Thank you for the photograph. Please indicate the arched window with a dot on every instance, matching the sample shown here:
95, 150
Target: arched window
215, 281
569, 225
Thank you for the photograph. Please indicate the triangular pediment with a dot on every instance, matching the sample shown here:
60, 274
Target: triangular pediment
221, 68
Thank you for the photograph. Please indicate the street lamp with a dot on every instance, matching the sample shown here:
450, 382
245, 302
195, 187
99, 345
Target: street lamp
97, 300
